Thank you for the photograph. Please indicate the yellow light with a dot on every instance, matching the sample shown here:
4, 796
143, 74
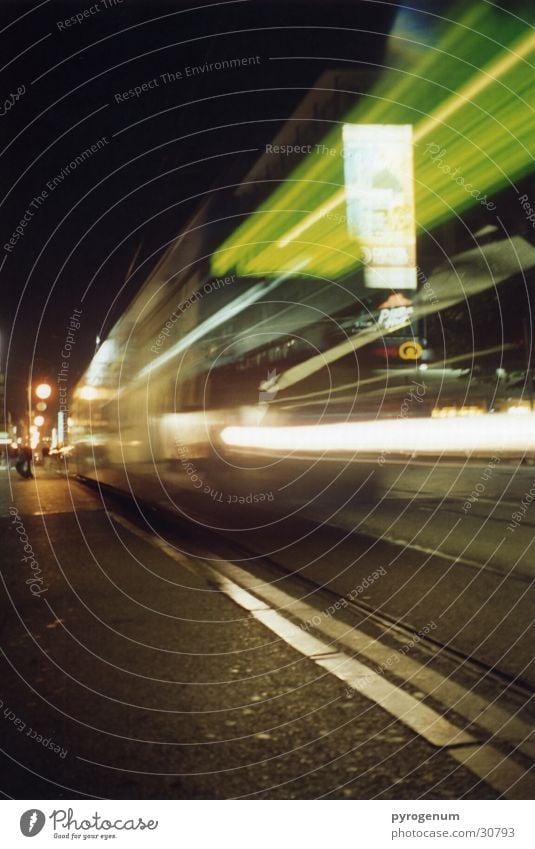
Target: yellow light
43, 391
88, 393
519, 409
448, 412
39, 421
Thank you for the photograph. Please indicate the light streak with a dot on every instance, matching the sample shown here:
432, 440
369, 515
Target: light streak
470, 92
450, 436
225, 314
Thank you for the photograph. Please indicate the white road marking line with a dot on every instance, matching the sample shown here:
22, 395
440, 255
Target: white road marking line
469, 705
293, 635
242, 597
419, 717
498, 770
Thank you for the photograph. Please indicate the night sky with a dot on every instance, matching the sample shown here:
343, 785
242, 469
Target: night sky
64, 85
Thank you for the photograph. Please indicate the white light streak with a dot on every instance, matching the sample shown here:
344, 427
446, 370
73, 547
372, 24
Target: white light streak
234, 308
420, 436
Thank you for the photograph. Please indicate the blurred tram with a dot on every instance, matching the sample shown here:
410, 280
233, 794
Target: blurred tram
196, 356
258, 366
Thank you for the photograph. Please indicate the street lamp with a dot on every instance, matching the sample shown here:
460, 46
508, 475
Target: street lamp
43, 391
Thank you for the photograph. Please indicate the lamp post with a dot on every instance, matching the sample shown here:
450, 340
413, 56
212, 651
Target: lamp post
41, 391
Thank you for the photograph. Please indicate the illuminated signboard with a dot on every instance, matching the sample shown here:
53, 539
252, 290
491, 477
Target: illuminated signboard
379, 184
395, 312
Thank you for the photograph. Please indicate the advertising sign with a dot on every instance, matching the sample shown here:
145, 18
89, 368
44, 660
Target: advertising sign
379, 182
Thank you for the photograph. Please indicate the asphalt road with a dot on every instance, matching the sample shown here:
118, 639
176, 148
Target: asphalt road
128, 675
442, 531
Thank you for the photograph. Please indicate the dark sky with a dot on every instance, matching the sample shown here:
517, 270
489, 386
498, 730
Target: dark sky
60, 83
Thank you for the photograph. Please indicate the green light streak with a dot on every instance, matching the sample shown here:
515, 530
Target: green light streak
471, 94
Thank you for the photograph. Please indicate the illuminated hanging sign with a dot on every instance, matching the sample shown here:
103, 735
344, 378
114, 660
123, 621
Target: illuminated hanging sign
391, 319
410, 350
379, 184
395, 312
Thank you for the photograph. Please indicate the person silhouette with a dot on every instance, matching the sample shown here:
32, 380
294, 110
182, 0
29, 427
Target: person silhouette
24, 463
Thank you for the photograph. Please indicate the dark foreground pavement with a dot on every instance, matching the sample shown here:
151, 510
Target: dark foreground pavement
130, 676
